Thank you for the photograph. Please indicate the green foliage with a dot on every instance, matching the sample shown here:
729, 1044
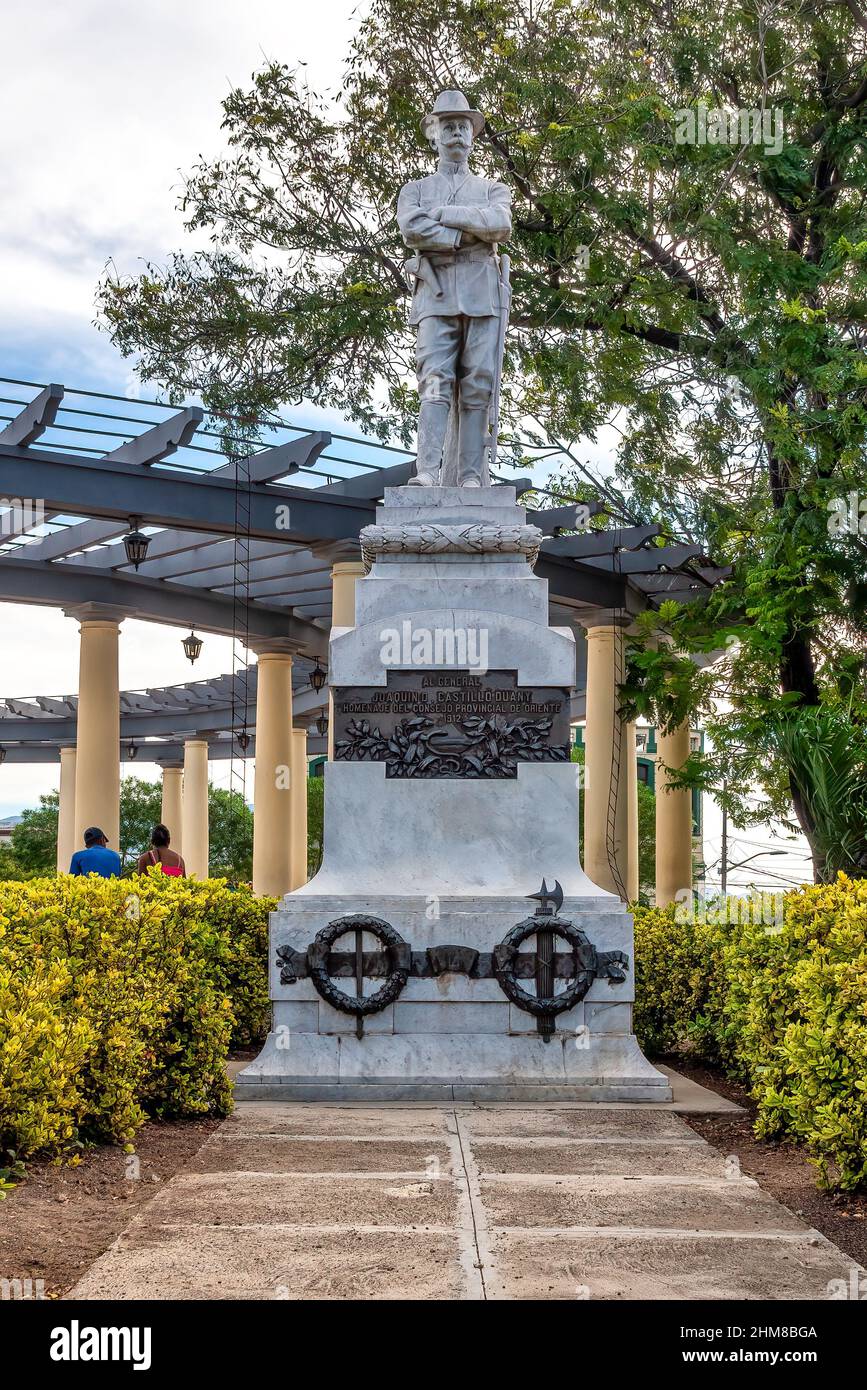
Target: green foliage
646, 842
230, 828
121, 1000
315, 827
141, 808
783, 1006
675, 961
32, 845
826, 752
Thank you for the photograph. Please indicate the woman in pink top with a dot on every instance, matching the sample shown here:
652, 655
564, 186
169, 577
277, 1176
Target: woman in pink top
159, 853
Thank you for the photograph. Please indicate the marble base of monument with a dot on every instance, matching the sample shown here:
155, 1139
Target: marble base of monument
409, 968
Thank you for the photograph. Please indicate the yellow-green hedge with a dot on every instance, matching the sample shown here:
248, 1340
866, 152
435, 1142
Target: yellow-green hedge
782, 1005
120, 999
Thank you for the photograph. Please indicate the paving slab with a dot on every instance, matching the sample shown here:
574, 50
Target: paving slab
290, 1154
273, 1117
274, 1262
665, 1267
556, 1121
675, 1158
249, 1199
457, 1201
592, 1202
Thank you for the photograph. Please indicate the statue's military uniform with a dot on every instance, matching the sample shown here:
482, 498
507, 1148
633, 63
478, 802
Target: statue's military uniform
453, 221
457, 307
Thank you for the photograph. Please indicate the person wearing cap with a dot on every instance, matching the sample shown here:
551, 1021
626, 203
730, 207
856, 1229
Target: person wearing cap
96, 857
453, 220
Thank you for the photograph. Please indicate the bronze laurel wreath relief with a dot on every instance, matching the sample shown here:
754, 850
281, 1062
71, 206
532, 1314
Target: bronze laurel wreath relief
397, 951
471, 747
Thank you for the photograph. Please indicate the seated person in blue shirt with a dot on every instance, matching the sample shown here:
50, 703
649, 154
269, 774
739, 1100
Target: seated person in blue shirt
96, 857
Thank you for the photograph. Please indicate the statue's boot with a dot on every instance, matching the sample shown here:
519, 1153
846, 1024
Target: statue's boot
433, 419
471, 446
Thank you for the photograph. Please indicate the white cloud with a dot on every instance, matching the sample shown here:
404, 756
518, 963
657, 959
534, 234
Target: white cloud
101, 105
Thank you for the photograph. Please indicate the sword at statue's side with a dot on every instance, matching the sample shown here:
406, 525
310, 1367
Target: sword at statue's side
505, 305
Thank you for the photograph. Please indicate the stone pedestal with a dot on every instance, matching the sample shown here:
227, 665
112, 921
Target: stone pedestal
450, 798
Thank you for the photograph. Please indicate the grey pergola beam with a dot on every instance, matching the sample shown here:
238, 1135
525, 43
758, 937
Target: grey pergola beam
270, 464
221, 554
593, 543
282, 460
309, 611
371, 484
521, 485
665, 583
159, 497
61, 586
56, 708
203, 565
64, 542
168, 544
551, 519
161, 440
569, 581
293, 586
137, 702
169, 751
34, 419
649, 561
26, 709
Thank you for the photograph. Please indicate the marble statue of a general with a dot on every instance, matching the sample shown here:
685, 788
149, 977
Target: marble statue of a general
453, 221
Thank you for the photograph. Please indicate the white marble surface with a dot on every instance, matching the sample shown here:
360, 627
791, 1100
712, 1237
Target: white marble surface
450, 836
452, 861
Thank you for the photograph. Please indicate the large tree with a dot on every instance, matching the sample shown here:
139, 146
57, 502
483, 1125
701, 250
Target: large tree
718, 324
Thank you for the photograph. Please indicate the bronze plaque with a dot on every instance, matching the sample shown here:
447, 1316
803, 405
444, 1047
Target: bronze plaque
451, 724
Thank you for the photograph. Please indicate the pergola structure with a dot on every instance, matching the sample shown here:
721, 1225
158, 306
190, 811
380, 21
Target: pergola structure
113, 509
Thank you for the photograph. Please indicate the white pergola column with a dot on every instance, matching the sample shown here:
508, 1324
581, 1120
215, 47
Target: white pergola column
273, 804
610, 801
298, 851
194, 816
66, 845
673, 819
173, 804
97, 771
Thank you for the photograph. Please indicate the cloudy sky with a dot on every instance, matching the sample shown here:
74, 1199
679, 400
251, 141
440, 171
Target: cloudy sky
101, 107
103, 104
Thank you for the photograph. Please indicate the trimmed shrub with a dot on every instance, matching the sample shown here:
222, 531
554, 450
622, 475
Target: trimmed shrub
120, 999
782, 1007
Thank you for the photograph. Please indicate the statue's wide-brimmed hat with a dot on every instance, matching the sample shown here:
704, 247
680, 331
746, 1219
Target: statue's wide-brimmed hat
452, 104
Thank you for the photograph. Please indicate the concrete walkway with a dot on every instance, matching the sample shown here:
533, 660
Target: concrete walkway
463, 1202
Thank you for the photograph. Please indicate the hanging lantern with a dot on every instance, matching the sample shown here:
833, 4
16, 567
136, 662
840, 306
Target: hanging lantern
322, 725
131, 751
192, 645
136, 543
317, 677
243, 740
